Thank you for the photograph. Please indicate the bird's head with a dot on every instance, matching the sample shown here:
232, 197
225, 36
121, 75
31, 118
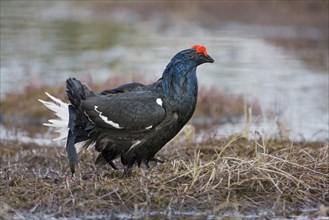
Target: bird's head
199, 55
182, 67
194, 56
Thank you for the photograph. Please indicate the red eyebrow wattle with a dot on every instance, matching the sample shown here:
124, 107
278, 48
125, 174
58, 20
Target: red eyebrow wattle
200, 49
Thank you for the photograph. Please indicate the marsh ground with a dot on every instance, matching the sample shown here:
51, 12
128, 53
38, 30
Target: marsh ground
211, 178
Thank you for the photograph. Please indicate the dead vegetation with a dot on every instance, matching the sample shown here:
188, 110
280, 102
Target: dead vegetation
216, 177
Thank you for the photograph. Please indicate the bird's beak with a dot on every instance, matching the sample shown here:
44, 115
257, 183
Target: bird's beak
209, 59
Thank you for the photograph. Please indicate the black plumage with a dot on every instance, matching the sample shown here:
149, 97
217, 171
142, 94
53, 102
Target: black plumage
134, 121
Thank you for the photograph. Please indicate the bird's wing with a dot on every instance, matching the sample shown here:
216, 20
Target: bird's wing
123, 88
128, 111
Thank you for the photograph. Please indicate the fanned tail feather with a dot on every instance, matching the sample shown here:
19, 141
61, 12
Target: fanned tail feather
60, 108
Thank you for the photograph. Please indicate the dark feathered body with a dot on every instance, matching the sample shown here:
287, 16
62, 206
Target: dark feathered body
134, 121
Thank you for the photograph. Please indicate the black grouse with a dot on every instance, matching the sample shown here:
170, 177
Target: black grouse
133, 121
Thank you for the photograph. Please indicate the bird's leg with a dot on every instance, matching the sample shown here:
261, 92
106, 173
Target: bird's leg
112, 165
106, 156
146, 162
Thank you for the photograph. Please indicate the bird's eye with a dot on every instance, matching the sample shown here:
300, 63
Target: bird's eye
201, 55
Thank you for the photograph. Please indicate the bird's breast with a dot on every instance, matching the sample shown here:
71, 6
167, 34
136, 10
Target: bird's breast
183, 106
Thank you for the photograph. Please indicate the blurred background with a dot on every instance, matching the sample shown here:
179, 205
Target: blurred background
273, 54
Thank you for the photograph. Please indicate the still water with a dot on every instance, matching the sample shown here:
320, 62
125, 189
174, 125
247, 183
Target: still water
48, 41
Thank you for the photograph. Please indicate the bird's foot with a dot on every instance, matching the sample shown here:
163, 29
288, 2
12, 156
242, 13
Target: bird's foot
157, 160
72, 168
146, 162
112, 164
127, 171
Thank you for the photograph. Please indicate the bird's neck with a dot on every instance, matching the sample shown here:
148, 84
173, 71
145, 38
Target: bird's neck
179, 81
179, 78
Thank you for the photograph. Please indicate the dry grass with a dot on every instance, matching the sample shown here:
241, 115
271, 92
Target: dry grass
214, 177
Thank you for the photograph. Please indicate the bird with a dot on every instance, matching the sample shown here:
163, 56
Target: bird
132, 121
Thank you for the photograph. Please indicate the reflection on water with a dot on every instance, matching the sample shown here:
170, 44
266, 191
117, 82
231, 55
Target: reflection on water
47, 41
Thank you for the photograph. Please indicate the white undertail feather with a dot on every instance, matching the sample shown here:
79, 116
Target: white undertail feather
61, 109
